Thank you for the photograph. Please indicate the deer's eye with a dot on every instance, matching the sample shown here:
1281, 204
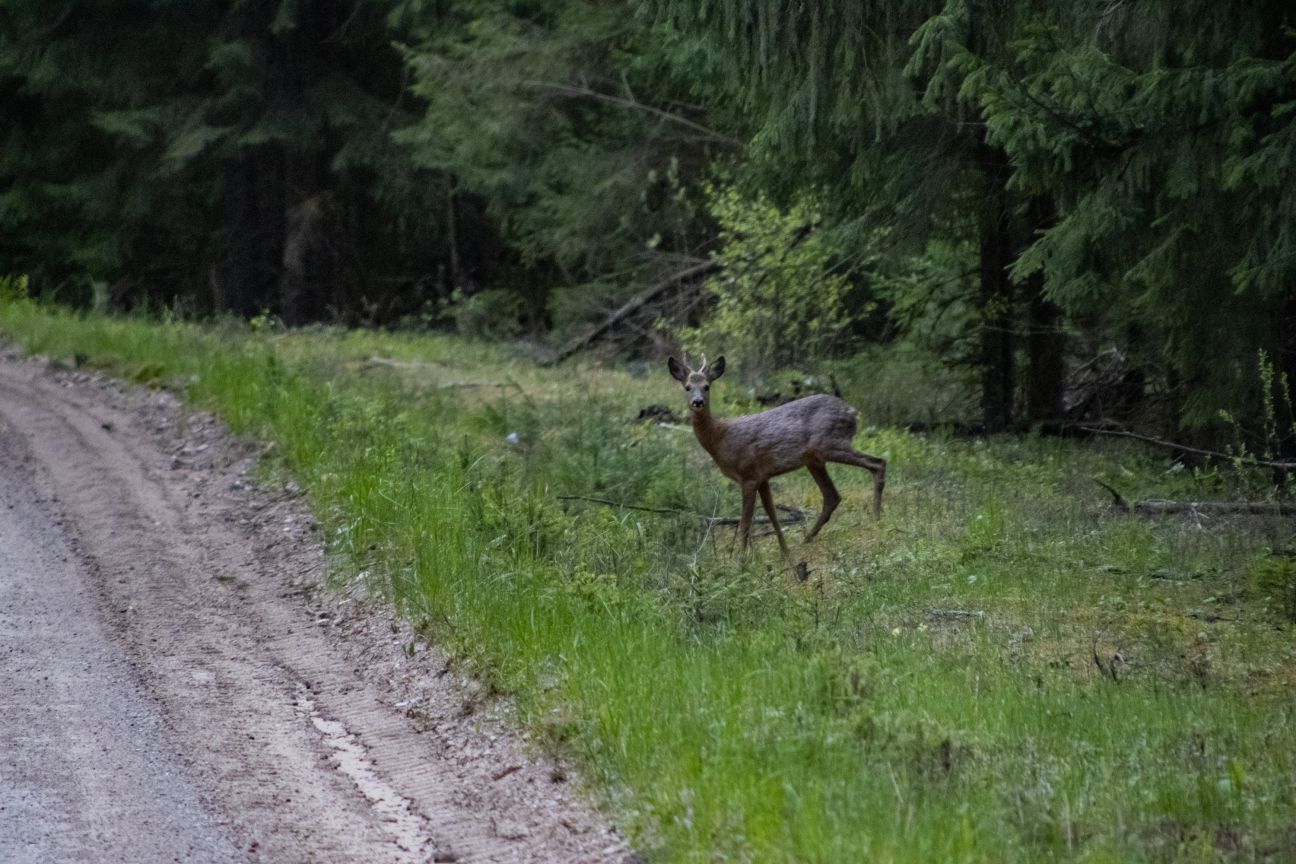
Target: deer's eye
706, 386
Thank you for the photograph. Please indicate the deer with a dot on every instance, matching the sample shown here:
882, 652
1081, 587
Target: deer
806, 433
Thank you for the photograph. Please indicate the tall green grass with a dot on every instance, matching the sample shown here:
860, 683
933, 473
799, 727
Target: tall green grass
945, 687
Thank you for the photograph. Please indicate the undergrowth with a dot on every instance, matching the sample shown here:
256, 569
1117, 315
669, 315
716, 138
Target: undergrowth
999, 670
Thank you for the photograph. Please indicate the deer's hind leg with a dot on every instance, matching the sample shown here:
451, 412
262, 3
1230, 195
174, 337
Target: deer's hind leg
872, 464
831, 497
767, 500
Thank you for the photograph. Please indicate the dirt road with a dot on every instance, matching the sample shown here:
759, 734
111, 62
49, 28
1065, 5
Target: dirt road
172, 687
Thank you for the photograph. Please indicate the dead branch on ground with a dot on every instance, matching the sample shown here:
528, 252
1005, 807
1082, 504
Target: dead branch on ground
1163, 507
955, 613
792, 515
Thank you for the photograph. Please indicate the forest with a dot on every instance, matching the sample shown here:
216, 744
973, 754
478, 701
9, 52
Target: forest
428, 261
1065, 214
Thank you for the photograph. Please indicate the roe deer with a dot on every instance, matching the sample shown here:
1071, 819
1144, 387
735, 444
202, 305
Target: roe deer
807, 433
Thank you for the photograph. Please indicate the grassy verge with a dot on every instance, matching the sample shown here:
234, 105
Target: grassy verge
998, 670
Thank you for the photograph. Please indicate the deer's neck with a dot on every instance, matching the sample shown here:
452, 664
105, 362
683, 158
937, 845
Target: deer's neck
709, 430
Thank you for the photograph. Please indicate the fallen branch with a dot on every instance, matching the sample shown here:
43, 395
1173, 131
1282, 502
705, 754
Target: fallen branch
1158, 507
1162, 507
376, 360
623, 506
955, 613
469, 385
1211, 454
793, 515
1105, 669
1118, 501
634, 304
500, 775
1209, 618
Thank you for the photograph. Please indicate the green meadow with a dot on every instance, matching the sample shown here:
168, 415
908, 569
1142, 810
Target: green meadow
1000, 669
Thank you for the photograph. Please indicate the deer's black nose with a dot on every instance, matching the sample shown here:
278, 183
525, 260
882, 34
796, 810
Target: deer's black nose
696, 403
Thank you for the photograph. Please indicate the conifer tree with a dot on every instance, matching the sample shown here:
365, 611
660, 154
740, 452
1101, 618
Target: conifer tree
566, 120
856, 99
237, 155
1128, 162
1166, 133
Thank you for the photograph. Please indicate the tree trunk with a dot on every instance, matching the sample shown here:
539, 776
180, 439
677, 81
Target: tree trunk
452, 232
299, 202
1046, 344
240, 285
244, 278
1045, 347
1285, 363
997, 338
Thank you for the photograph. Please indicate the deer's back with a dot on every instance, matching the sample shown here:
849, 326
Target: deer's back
785, 438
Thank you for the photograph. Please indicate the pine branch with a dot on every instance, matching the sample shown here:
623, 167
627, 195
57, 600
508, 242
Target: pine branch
588, 93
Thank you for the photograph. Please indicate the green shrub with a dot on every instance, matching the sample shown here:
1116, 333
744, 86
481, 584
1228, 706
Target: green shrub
779, 298
13, 289
492, 314
1274, 579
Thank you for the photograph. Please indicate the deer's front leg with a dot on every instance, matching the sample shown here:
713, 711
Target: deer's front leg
748, 510
767, 500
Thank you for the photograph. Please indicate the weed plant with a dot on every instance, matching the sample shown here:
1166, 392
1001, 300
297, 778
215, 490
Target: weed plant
1001, 669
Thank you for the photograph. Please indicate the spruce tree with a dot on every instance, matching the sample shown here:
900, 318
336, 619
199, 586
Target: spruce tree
567, 121
238, 156
1166, 135
856, 99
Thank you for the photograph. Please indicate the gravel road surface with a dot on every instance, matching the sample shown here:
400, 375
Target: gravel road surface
175, 687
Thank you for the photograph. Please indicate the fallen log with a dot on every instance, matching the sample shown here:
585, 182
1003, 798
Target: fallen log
1163, 507
1158, 507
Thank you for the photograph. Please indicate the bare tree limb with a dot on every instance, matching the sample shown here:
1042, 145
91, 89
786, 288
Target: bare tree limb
585, 92
1212, 454
1118, 502
633, 304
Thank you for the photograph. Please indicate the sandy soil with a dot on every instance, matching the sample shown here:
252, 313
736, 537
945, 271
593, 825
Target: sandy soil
178, 687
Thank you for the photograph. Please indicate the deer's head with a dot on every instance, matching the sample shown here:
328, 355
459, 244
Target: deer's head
697, 382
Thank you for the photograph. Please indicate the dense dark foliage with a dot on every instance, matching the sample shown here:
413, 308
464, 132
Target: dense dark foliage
1086, 207
220, 156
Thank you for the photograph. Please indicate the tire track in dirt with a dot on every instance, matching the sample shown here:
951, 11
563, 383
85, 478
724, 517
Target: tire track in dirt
292, 737
119, 788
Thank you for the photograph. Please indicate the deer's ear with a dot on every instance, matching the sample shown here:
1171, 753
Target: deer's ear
677, 370
716, 369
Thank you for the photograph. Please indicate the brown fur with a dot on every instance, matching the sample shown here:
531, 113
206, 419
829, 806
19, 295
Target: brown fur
807, 433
